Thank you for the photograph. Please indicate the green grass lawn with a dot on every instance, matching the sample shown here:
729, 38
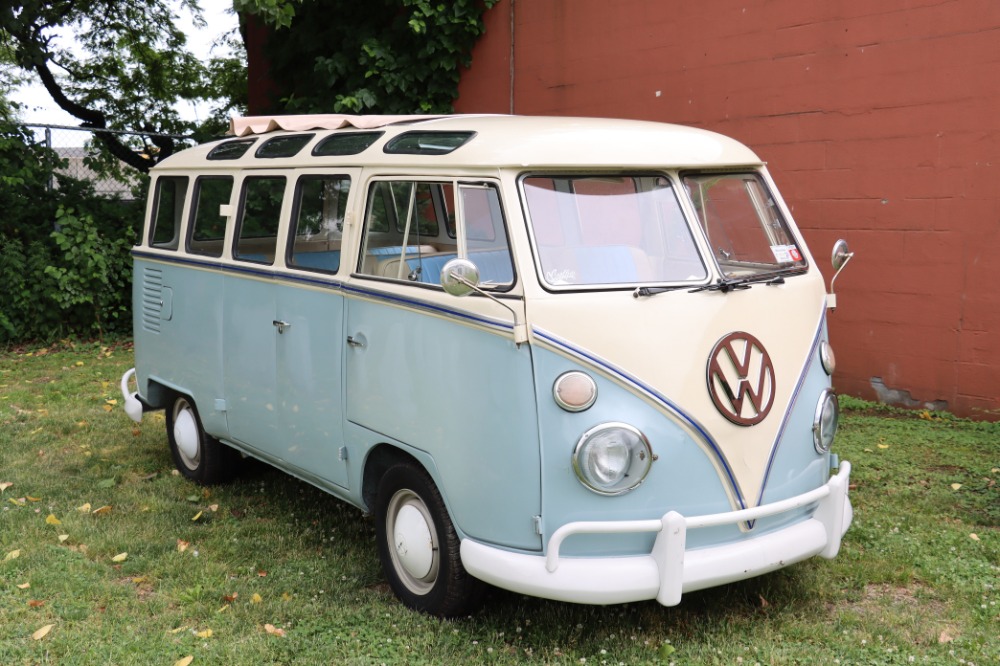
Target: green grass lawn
128, 563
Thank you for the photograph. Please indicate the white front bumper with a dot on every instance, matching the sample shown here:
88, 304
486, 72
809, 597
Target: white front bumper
669, 570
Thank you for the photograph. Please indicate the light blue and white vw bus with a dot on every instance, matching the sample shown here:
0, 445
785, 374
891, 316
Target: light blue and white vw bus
580, 359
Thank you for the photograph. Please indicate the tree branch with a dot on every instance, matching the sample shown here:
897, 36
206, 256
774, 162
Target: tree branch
91, 119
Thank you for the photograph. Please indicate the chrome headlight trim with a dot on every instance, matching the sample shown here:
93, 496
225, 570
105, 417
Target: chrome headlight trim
574, 391
625, 452
825, 421
827, 357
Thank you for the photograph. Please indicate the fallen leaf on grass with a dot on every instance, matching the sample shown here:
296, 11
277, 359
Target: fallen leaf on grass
12, 555
230, 598
36, 603
256, 598
106, 483
285, 596
182, 545
204, 634
33, 499
883, 446
24, 586
186, 661
120, 557
52, 520
42, 633
956, 486
16, 501
261, 574
63, 537
213, 508
274, 631
223, 609
5, 485
84, 508
101, 511
196, 516
974, 536
178, 630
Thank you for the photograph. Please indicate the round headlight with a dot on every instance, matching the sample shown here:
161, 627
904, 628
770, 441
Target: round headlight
827, 358
612, 458
574, 391
826, 420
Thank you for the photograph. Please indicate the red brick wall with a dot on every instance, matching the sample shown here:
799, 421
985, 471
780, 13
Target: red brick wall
880, 122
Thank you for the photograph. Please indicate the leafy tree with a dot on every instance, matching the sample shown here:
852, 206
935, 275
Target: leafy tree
128, 70
64, 251
378, 56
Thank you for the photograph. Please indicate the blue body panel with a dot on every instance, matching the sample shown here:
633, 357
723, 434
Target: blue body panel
457, 391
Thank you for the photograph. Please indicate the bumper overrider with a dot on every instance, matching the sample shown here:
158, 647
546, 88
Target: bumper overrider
669, 570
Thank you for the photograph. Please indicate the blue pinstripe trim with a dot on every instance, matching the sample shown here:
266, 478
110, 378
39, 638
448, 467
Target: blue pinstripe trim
430, 307
330, 284
658, 397
245, 270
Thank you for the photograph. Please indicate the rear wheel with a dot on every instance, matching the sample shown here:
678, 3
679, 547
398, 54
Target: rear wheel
196, 454
418, 546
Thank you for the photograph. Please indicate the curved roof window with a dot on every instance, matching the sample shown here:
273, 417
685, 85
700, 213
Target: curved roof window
283, 146
231, 150
348, 143
422, 142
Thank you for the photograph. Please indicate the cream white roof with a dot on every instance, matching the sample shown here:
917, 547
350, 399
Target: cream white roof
499, 141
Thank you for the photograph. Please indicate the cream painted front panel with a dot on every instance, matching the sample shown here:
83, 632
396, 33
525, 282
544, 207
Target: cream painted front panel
660, 346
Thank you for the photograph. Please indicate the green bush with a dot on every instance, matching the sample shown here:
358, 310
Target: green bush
64, 250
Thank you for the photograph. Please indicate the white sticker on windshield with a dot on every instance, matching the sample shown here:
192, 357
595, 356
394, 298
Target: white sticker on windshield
782, 253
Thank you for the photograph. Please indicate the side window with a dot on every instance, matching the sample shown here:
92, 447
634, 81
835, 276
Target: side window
409, 232
168, 209
260, 212
486, 236
208, 225
320, 205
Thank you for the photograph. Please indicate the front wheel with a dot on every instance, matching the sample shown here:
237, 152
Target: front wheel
199, 456
418, 546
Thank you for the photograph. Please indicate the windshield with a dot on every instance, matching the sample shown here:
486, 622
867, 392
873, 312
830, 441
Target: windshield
610, 230
744, 226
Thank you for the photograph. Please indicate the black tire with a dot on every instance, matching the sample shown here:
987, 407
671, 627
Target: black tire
197, 455
430, 579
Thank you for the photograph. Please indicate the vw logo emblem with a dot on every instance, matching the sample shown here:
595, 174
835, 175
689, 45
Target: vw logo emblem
741, 379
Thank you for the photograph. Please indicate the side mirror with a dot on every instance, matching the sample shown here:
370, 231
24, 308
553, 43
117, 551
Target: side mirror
460, 277
841, 254
839, 257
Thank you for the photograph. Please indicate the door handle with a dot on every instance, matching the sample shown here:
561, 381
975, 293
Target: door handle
356, 342
281, 325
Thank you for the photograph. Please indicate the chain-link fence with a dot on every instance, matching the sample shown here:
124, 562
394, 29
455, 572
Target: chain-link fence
76, 146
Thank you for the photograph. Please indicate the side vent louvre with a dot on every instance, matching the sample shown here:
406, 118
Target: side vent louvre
152, 299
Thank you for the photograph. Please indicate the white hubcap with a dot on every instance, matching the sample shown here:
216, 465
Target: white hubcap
186, 436
413, 541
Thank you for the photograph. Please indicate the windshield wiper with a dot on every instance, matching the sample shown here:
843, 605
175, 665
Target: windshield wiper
723, 285
653, 291
734, 284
